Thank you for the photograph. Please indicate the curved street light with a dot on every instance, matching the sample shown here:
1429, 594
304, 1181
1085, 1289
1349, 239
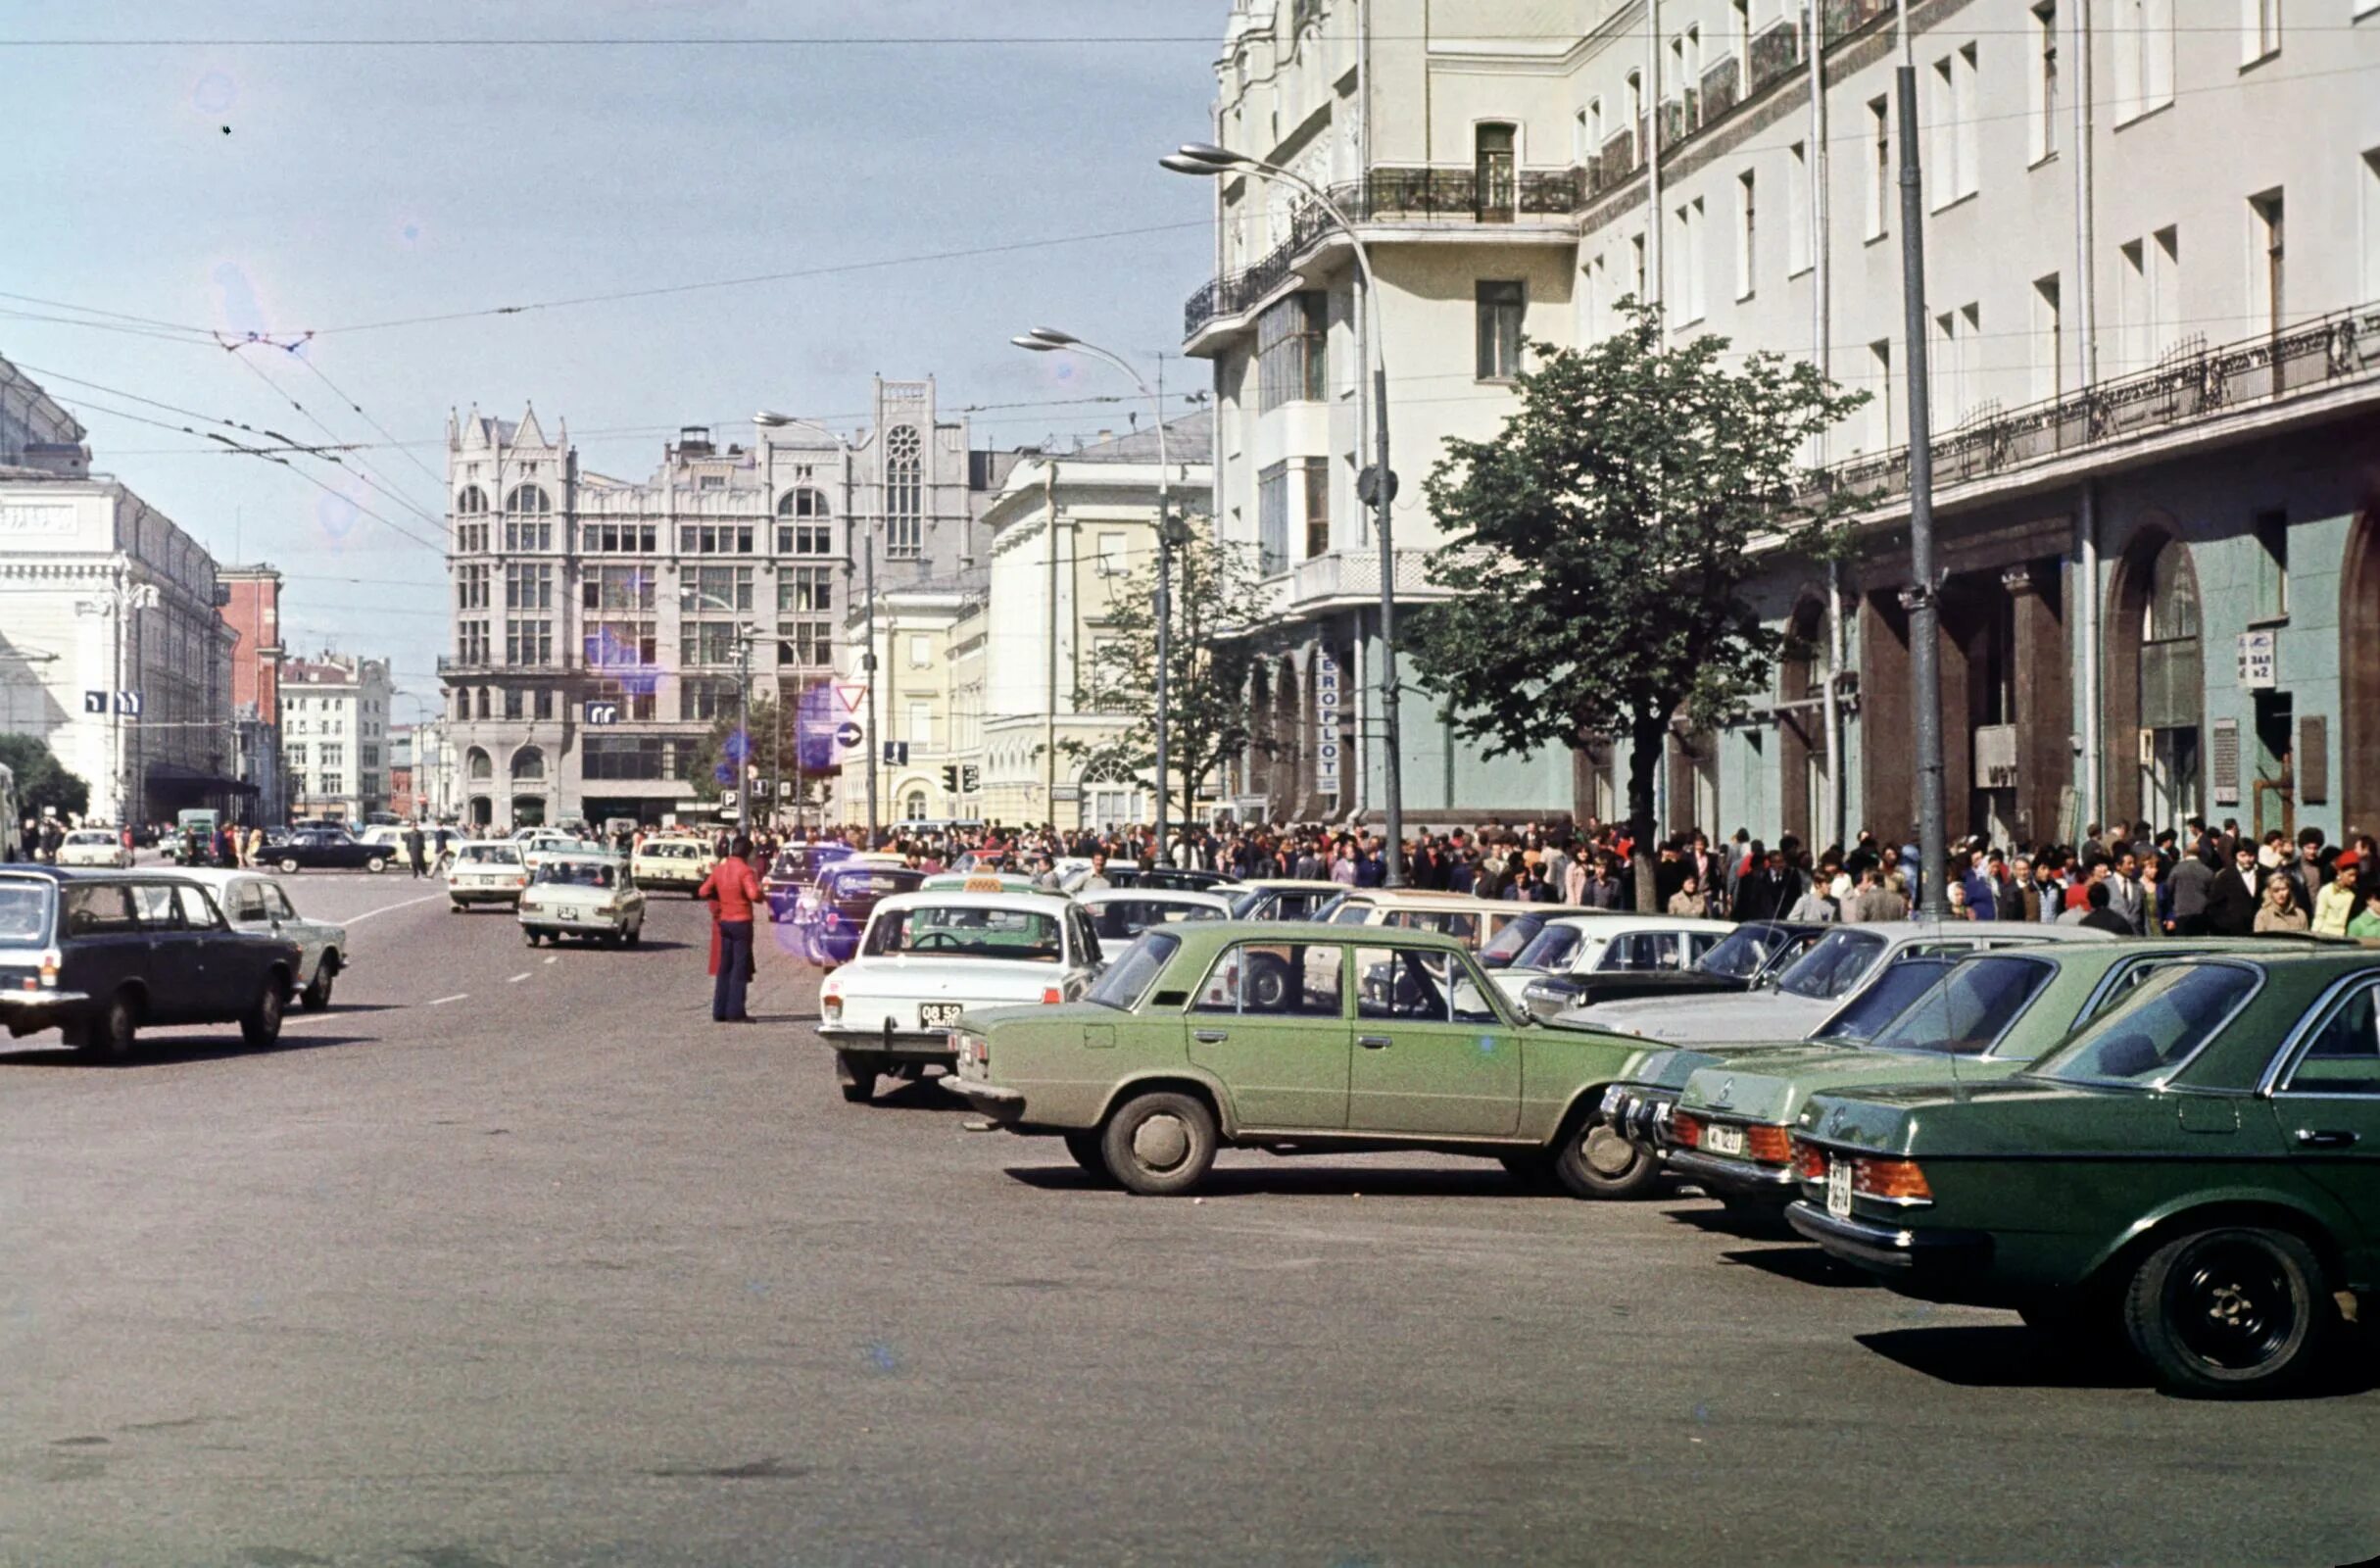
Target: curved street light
1050, 340
1205, 160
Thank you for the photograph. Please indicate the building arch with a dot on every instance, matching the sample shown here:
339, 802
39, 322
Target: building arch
477, 766
802, 501
1111, 795
2359, 675
482, 811
528, 498
2154, 740
470, 500
529, 764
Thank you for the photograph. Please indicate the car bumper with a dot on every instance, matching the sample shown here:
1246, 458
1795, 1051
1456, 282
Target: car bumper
1921, 1262
546, 920
1007, 1107
1736, 1178
1641, 1117
484, 895
929, 1047
29, 1013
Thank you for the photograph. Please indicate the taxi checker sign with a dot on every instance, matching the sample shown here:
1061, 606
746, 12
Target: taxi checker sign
1326, 723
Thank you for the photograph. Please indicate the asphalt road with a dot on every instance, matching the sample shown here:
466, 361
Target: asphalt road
513, 1258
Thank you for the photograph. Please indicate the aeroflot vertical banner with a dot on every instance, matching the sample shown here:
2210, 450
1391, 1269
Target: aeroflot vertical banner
1326, 723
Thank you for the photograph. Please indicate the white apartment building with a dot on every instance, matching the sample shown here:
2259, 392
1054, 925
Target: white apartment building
334, 737
2153, 250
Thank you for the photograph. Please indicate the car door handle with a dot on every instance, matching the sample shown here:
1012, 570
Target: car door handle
1210, 1037
1373, 1042
2324, 1138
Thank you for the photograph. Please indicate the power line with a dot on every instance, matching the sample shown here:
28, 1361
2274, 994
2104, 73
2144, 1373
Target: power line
361, 469
1042, 40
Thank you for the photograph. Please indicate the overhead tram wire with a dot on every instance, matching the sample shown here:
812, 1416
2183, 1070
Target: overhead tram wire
1039, 40
362, 469
402, 450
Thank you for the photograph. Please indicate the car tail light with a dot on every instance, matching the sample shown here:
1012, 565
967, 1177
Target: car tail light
832, 921
1809, 1162
1051, 995
830, 1008
1685, 1130
51, 961
1771, 1145
1890, 1178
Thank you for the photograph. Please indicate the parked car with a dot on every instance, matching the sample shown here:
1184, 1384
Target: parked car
1179, 878
1513, 937
826, 926
1604, 943
1282, 899
1987, 1015
485, 871
795, 869
677, 863
1195, 1040
1752, 955
2193, 1164
928, 958
100, 956
254, 901
590, 896
1120, 915
1474, 922
314, 850
93, 846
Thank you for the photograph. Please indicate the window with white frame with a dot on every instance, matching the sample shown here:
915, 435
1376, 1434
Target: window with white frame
2267, 293
2260, 30
1688, 270
920, 729
1747, 233
2048, 339
2369, 219
1952, 371
1953, 157
904, 530
2144, 57
1501, 304
1797, 208
921, 651
1273, 519
2041, 82
1878, 183
1880, 433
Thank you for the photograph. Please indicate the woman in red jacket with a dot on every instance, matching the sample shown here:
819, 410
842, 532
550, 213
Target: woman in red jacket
732, 889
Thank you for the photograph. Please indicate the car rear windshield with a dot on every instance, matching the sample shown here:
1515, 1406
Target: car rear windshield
489, 855
1553, 948
2156, 1029
1507, 944
575, 874
1862, 1017
1834, 967
964, 931
874, 884
1968, 1009
1122, 920
25, 914
1128, 978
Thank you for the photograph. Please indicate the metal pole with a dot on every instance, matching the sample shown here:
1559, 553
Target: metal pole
867, 666
1392, 770
1165, 615
743, 728
1924, 610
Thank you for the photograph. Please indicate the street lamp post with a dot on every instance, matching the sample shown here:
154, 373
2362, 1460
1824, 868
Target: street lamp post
116, 604
1207, 161
1050, 340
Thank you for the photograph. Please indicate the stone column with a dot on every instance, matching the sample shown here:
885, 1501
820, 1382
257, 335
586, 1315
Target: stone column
2045, 696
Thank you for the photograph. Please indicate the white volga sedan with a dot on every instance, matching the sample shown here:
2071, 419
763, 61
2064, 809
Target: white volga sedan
254, 901
91, 846
487, 872
926, 957
586, 896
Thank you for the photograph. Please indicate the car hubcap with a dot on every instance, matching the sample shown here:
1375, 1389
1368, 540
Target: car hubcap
1161, 1142
1607, 1152
2235, 1308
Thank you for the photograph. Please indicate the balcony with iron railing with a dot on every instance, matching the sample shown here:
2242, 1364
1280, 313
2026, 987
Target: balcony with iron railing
2195, 386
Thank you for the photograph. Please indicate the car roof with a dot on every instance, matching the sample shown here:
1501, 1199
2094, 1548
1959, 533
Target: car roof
1609, 924
1218, 932
1295, 884
1050, 904
97, 873
1194, 898
1426, 898
583, 859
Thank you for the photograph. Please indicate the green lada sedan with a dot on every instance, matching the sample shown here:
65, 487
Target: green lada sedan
1257, 1034
2200, 1164
1986, 1016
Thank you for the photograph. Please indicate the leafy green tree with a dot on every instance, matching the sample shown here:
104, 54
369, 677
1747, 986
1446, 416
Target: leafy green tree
1216, 605
736, 739
43, 781
1599, 545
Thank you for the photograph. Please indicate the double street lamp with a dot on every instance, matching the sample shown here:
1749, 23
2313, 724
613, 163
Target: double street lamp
1377, 484
1050, 340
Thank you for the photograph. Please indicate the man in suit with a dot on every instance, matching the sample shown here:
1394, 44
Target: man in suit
2125, 892
1768, 892
2231, 901
2193, 881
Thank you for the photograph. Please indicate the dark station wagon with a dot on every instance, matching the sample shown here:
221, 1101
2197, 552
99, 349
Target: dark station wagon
100, 956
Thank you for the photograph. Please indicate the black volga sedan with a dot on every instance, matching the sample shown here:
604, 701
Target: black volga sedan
319, 850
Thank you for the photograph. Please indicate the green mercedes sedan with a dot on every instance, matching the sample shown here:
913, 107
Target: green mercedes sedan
1299, 1037
2200, 1164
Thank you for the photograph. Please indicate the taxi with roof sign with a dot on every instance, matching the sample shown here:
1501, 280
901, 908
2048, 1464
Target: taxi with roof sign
930, 956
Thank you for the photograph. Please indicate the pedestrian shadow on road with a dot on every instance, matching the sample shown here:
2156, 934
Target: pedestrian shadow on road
1288, 1179
167, 1053
1804, 1265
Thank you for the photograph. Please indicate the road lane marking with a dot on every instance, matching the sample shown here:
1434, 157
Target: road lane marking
518, 978
386, 907
443, 1001
557, 958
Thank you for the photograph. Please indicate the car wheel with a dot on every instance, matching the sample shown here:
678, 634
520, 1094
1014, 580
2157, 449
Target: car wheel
858, 1083
1268, 983
316, 997
288, 865
375, 865
453, 907
1159, 1144
1593, 1160
2231, 1311
1084, 1148
109, 1037
261, 1025
633, 935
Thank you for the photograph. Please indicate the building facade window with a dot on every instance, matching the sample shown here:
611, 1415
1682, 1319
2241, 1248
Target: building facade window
471, 587
1957, 168
806, 590
1315, 482
470, 500
2271, 531
1797, 210
2260, 30
703, 699
804, 539
619, 538
1292, 351
627, 757
706, 642
806, 644
613, 643
802, 502
1273, 519
1880, 179
2144, 57
714, 539
528, 643
528, 499
1494, 172
2041, 88
904, 531
528, 587
617, 588
716, 589
633, 698
1747, 233
1500, 306
513, 707
471, 642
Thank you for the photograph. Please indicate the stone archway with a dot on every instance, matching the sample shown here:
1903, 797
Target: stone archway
2154, 680
2359, 675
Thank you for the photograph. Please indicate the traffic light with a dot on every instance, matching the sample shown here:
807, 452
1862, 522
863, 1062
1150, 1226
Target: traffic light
949, 778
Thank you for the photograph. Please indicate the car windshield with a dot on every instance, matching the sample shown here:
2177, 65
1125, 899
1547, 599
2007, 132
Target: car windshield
1834, 967
1122, 920
870, 885
1967, 1008
25, 912
1506, 946
90, 838
1865, 1016
489, 855
1742, 953
1552, 948
1128, 978
964, 931
575, 874
2155, 1029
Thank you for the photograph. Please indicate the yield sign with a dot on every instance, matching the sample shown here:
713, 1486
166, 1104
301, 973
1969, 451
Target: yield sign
851, 697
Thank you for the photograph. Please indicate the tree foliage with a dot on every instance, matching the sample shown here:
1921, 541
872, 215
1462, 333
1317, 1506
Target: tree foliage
43, 781
1599, 545
1215, 608
767, 738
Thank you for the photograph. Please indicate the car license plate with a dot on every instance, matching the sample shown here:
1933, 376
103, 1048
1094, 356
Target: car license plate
1722, 1140
566, 915
939, 1014
1838, 1186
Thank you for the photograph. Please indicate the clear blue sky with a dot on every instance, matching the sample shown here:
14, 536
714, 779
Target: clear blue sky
360, 184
